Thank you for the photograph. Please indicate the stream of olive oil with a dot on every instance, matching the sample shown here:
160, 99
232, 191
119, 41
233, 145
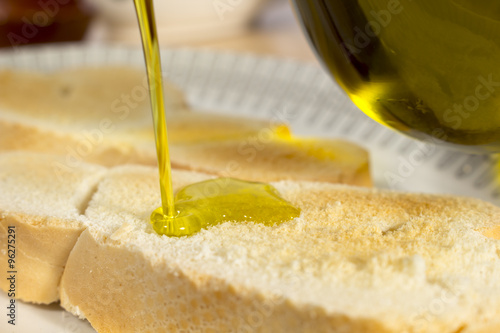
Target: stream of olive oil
206, 203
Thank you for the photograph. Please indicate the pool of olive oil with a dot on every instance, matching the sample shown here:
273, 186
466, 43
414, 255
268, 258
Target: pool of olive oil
425, 68
210, 202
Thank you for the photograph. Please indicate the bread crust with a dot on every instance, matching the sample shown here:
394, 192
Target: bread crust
129, 296
23, 137
45, 209
277, 160
42, 249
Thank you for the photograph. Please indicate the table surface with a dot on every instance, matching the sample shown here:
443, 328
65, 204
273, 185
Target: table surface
274, 32
284, 41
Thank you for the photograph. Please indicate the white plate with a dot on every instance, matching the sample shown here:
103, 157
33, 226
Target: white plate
299, 93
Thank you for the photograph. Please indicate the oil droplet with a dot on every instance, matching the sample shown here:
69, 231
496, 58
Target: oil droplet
220, 200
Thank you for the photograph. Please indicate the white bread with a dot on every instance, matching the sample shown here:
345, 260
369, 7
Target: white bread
46, 209
102, 115
323, 160
357, 260
74, 99
98, 114
44, 197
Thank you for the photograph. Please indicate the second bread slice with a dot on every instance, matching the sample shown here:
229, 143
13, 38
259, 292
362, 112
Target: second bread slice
357, 260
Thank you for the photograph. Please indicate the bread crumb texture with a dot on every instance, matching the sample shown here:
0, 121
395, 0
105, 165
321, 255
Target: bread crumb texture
357, 260
44, 205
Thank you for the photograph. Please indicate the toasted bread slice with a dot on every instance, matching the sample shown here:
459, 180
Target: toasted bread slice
79, 98
356, 260
278, 158
45, 210
102, 115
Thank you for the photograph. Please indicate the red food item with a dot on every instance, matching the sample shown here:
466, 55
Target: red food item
42, 21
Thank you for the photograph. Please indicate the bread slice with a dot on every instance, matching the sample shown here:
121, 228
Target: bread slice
46, 210
75, 98
279, 158
357, 260
102, 115
44, 197
98, 114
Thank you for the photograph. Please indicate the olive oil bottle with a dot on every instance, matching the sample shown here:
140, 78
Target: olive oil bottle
206, 203
426, 68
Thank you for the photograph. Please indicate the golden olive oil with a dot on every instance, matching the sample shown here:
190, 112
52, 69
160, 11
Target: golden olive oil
423, 67
147, 25
210, 202
224, 199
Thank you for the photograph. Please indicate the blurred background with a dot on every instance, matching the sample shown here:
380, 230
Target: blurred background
259, 86
257, 26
